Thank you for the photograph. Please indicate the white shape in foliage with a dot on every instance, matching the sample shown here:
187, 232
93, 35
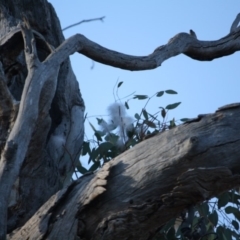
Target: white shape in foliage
107, 127
142, 129
118, 120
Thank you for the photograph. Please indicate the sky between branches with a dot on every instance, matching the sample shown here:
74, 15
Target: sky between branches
137, 28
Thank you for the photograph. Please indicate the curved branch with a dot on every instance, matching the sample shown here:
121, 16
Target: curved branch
184, 43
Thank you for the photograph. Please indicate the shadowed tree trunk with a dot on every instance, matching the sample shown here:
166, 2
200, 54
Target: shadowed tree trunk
46, 165
41, 112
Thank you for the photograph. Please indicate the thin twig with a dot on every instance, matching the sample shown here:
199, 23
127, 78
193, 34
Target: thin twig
84, 21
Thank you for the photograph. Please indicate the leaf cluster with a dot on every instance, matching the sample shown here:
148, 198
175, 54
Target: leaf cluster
218, 218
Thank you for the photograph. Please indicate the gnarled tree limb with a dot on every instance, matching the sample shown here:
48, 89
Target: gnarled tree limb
181, 43
149, 184
142, 188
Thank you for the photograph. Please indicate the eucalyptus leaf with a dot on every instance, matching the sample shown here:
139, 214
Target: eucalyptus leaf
82, 169
150, 124
171, 233
223, 199
112, 138
145, 114
137, 116
213, 218
119, 84
172, 106
235, 224
159, 94
93, 154
170, 92
105, 146
99, 120
163, 112
85, 148
98, 135
94, 167
140, 97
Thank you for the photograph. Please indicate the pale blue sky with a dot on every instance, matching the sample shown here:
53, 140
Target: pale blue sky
137, 28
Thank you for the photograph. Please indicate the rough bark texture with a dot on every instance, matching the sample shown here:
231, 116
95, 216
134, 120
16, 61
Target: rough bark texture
147, 185
58, 121
41, 133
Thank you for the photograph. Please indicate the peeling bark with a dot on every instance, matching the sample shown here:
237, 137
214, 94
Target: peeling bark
41, 133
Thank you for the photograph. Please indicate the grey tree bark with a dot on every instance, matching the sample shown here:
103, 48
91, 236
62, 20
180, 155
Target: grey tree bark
42, 133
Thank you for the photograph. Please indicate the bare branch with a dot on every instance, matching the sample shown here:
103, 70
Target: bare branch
84, 21
235, 23
181, 43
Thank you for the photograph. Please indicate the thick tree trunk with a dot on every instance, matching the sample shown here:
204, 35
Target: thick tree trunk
46, 166
41, 112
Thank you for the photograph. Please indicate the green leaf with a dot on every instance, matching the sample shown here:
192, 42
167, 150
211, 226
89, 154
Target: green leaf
205, 209
85, 148
223, 200
112, 138
119, 84
221, 233
171, 233
228, 233
140, 97
150, 124
98, 135
93, 155
235, 224
231, 209
105, 146
94, 167
237, 214
137, 116
172, 106
234, 198
159, 94
126, 105
163, 112
82, 169
213, 218
99, 120
170, 92
145, 114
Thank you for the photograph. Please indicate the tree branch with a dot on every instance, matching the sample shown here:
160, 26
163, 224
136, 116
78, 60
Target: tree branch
84, 21
29, 111
235, 23
181, 43
147, 185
